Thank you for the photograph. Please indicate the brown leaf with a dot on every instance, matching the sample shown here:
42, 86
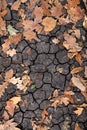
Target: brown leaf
23, 1
3, 87
79, 111
29, 35
8, 125
76, 70
12, 39
74, 11
5, 116
38, 13
57, 9
66, 98
3, 30
78, 58
86, 71
85, 22
78, 83
71, 44
44, 114
15, 5
49, 24
9, 75
77, 127
3, 5
11, 104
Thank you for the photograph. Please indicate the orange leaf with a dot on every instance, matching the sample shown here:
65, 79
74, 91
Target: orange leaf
15, 5
49, 24
78, 58
76, 70
79, 111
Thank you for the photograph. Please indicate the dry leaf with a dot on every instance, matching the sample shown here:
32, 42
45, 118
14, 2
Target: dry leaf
3, 30
71, 44
76, 70
11, 52
38, 13
77, 127
85, 22
8, 125
26, 80
29, 35
5, 116
66, 98
3, 5
78, 83
49, 24
57, 9
12, 39
3, 87
15, 5
11, 104
86, 71
55, 40
23, 1
44, 114
9, 75
79, 111
78, 58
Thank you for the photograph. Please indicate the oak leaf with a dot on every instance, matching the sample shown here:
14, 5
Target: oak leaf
49, 24
12, 39
79, 111
71, 44
11, 104
65, 99
8, 125
57, 9
38, 13
29, 35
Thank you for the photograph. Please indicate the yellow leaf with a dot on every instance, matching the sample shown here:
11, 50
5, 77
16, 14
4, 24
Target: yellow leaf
49, 24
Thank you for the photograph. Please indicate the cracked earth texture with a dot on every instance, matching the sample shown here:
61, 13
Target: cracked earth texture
42, 60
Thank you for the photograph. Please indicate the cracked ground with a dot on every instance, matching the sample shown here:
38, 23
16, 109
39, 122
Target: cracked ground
49, 68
